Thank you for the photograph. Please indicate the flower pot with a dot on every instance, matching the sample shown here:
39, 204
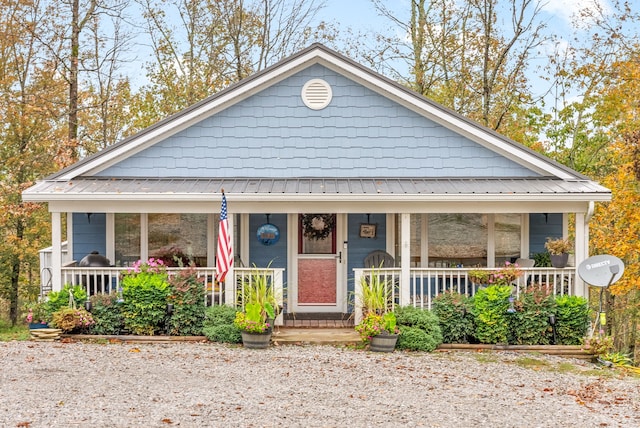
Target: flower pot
256, 340
559, 260
38, 325
383, 343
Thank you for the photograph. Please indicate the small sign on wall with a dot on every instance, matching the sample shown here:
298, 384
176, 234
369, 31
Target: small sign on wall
368, 230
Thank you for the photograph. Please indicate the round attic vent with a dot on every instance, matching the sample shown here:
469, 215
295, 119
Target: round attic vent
316, 94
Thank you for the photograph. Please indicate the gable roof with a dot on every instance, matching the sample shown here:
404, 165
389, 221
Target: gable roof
81, 177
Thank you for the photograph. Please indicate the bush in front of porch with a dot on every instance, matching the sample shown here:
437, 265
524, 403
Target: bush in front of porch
187, 297
145, 289
490, 317
218, 324
419, 329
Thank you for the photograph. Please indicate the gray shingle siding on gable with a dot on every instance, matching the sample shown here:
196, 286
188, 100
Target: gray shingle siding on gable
273, 134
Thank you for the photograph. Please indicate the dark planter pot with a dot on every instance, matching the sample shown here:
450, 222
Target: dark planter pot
559, 260
256, 340
383, 343
37, 325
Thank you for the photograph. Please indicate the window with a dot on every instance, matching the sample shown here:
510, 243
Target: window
178, 238
457, 239
127, 239
508, 236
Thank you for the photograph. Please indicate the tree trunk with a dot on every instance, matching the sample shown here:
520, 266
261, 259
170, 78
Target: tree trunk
15, 276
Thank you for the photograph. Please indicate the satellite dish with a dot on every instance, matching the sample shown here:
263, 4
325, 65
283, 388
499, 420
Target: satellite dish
601, 271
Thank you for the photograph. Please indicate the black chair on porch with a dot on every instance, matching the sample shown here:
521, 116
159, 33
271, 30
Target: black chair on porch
378, 259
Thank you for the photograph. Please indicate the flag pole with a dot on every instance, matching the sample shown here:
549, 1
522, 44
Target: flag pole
224, 251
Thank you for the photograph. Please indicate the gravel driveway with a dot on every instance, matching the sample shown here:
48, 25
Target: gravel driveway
54, 384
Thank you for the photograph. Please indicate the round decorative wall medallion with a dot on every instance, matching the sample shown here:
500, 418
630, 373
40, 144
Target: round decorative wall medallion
316, 94
268, 234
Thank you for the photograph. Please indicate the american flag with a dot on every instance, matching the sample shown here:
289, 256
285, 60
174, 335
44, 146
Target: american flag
224, 253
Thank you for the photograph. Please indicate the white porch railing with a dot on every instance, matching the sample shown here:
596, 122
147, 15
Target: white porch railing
100, 280
425, 284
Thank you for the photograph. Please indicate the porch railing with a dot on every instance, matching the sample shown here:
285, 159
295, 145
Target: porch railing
103, 280
425, 284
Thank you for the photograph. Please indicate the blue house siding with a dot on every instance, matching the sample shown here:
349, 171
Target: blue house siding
360, 134
542, 226
262, 255
89, 234
358, 247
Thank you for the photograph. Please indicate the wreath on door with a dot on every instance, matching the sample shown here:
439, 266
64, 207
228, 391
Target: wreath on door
318, 226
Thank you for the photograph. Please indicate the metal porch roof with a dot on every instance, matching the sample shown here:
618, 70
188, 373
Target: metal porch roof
315, 189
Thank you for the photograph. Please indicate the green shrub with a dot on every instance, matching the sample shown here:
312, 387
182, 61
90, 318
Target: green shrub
454, 315
145, 292
490, 314
572, 320
187, 297
218, 324
530, 323
416, 339
419, 329
107, 314
57, 300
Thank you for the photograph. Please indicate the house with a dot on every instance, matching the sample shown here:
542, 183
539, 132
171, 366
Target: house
322, 161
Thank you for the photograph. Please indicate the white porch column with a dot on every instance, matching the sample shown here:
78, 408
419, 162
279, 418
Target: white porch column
56, 252
581, 251
405, 256
230, 279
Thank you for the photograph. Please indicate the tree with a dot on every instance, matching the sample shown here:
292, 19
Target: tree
473, 57
28, 146
84, 40
213, 44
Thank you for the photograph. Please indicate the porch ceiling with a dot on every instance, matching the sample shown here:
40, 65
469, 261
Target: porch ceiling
317, 189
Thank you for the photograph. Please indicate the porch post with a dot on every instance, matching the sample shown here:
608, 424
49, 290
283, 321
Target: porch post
405, 257
581, 252
230, 279
56, 253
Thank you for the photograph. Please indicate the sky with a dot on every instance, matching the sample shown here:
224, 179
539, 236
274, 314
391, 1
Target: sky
560, 15
362, 14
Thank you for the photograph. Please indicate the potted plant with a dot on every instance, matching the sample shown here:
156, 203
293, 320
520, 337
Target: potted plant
256, 287
376, 293
378, 326
253, 325
37, 316
559, 250
72, 320
379, 331
479, 276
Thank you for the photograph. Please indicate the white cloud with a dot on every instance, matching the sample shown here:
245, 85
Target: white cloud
570, 11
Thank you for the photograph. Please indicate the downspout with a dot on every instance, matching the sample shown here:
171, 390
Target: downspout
590, 211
